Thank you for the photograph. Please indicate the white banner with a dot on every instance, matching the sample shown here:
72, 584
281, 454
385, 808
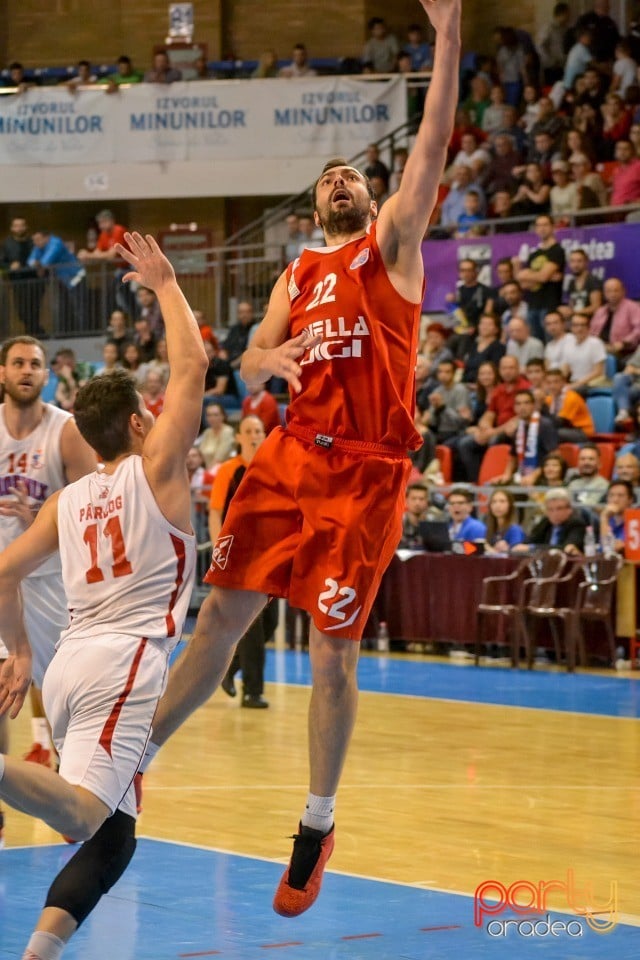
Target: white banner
55, 126
199, 121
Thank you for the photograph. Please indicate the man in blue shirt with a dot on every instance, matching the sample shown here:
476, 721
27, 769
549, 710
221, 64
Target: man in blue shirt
462, 525
620, 497
579, 58
420, 52
50, 255
453, 204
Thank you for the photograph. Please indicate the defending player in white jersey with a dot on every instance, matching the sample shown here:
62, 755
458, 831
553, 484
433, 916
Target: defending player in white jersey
40, 451
128, 559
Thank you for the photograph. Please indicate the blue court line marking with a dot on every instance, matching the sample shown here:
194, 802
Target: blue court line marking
544, 690
501, 686
179, 900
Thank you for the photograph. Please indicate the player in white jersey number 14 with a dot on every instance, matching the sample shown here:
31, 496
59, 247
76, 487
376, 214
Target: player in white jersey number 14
40, 451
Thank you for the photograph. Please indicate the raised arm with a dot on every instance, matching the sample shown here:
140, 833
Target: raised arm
404, 218
166, 446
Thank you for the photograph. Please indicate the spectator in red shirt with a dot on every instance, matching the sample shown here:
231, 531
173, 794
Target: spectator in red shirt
617, 123
262, 404
463, 125
497, 425
111, 233
626, 175
206, 331
153, 394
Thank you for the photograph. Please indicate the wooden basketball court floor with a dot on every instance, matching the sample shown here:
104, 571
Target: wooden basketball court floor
457, 776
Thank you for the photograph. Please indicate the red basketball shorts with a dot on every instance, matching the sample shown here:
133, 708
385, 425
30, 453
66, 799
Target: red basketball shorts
316, 525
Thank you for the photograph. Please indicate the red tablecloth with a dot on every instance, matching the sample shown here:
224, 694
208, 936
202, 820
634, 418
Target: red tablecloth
434, 596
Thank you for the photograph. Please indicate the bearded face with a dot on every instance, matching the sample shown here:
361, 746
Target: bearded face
23, 394
343, 204
24, 375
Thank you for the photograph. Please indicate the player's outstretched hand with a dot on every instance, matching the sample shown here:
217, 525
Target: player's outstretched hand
150, 267
444, 15
15, 680
282, 361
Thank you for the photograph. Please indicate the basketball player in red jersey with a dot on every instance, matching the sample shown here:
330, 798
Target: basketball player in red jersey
318, 514
127, 553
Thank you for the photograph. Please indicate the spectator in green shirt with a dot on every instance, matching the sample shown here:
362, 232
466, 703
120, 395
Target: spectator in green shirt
124, 74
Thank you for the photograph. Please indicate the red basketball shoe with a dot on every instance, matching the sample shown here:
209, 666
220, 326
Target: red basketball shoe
38, 754
301, 881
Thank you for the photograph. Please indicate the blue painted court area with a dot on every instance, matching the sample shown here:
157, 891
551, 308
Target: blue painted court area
542, 689
178, 901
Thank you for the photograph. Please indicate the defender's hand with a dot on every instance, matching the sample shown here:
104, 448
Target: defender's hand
282, 361
15, 680
150, 266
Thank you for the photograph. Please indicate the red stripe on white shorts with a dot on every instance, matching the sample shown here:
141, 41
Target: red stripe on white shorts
106, 736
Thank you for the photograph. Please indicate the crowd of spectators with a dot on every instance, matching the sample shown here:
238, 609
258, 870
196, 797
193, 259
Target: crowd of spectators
499, 407
545, 124
565, 516
549, 125
382, 53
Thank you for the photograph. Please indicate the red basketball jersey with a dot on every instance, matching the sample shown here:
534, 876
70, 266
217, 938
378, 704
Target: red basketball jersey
359, 382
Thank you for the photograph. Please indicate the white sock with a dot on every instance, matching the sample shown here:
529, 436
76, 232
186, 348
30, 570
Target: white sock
149, 754
318, 813
1, 766
43, 946
40, 732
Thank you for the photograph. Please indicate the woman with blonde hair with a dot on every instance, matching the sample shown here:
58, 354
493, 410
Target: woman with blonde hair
217, 441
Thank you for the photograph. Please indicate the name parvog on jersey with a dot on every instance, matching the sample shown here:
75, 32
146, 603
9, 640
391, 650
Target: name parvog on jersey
529, 902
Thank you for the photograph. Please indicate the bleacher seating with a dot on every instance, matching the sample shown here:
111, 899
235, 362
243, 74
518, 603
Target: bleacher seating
494, 462
603, 411
445, 456
218, 70
569, 453
607, 459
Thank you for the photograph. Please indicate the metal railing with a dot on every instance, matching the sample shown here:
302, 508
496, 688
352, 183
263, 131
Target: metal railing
576, 218
48, 306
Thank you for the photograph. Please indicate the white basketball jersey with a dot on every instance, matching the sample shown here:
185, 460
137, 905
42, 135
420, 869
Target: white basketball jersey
37, 461
125, 568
